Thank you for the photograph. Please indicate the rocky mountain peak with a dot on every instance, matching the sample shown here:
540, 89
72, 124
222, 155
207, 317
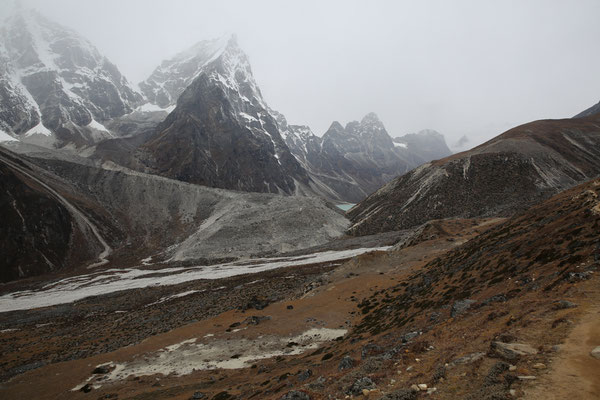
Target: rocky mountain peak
222, 58
335, 127
56, 87
371, 119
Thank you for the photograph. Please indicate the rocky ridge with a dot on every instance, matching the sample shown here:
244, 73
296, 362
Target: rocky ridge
505, 175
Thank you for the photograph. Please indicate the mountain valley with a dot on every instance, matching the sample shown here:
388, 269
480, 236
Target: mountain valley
179, 239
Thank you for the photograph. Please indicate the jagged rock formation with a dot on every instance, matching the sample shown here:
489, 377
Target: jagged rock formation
350, 162
221, 134
507, 174
55, 87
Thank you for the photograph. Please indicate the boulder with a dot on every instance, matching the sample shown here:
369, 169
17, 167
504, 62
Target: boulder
346, 363
510, 351
460, 306
563, 304
360, 384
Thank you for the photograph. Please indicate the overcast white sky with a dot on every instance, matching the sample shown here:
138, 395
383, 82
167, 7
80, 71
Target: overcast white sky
460, 67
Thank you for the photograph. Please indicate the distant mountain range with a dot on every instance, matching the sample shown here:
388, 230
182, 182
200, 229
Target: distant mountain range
199, 117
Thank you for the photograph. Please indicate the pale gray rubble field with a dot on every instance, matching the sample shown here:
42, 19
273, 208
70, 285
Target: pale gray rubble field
142, 215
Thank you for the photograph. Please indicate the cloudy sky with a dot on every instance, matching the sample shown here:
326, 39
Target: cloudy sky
460, 67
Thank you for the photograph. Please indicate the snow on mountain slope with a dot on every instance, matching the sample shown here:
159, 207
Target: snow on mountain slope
221, 133
55, 87
166, 83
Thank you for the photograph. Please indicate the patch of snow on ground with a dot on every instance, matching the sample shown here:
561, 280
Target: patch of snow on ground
403, 145
72, 289
175, 296
39, 129
5, 137
97, 126
149, 107
189, 356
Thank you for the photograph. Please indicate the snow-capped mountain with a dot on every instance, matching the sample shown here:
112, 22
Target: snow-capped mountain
55, 87
221, 133
166, 83
348, 163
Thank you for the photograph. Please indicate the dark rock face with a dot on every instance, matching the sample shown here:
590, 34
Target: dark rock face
56, 87
36, 229
593, 110
350, 162
221, 133
508, 174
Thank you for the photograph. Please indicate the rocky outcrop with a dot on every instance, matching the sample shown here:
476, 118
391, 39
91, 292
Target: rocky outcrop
505, 175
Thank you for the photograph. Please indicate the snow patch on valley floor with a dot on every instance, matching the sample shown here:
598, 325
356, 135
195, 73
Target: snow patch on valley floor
113, 280
190, 355
175, 296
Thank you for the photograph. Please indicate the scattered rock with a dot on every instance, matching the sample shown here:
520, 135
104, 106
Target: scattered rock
295, 395
346, 363
409, 336
401, 394
86, 388
360, 384
512, 368
460, 306
431, 390
256, 303
101, 370
304, 375
222, 396
578, 276
469, 358
499, 298
414, 388
370, 350
198, 395
439, 374
255, 320
563, 304
492, 378
290, 307
526, 377
539, 366
596, 352
510, 351
422, 386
